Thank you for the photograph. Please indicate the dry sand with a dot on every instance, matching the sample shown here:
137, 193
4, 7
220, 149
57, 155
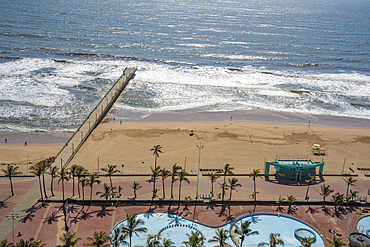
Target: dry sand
243, 144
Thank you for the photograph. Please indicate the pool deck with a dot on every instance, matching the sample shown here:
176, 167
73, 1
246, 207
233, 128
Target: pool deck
47, 223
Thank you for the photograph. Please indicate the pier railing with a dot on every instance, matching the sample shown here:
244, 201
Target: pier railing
74, 143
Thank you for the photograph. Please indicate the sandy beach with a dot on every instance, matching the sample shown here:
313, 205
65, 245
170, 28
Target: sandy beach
243, 144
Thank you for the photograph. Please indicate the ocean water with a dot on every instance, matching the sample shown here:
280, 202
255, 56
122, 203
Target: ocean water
58, 58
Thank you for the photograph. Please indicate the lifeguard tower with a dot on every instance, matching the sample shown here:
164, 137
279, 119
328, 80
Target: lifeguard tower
299, 169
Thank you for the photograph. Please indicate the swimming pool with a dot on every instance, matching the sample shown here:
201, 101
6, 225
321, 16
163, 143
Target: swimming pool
175, 228
363, 225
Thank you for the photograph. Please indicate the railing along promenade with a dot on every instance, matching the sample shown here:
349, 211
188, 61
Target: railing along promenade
74, 143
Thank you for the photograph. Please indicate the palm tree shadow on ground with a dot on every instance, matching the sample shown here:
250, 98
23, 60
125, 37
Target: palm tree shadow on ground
53, 218
85, 215
104, 212
3, 203
312, 210
30, 213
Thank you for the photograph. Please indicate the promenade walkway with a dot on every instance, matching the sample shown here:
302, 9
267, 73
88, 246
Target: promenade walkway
96, 116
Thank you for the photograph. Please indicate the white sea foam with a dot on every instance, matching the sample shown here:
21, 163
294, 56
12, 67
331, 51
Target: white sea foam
48, 89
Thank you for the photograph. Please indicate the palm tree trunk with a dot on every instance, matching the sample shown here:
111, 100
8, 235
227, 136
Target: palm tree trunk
111, 184
63, 189
179, 193
51, 186
212, 187
308, 187
172, 189
83, 197
231, 190
78, 187
153, 186
11, 185
223, 194
91, 194
164, 194
347, 190
43, 182
42, 198
73, 185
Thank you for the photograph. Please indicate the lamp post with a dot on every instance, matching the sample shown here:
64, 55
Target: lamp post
13, 216
200, 147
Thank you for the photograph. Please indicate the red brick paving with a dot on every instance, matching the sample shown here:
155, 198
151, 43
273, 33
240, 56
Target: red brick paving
97, 218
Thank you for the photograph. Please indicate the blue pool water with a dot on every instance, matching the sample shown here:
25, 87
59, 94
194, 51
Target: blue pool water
363, 225
175, 228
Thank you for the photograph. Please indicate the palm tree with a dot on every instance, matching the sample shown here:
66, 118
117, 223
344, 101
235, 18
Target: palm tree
306, 242
255, 174
29, 243
213, 177
244, 231
108, 191
336, 242
116, 238
224, 187
153, 242
182, 177
155, 173
233, 184
228, 170
43, 164
220, 237
63, 176
98, 240
133, 227
93, 179
53, 172
310, 180
195, 239
349, 181
5, 243
68, 240
337, 199
110, 170
290, 200
37, 171
164, 174
72, 171
353, 194
173, 175
135, 186
273, 240
156, 151
80, 173
119, 190
279, 202
84, 182
167, 243
325, 192
11, 171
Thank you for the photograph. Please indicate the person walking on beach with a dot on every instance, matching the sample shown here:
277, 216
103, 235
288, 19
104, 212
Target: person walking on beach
6, 140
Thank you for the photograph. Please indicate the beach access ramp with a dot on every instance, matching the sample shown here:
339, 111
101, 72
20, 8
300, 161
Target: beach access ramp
68, 151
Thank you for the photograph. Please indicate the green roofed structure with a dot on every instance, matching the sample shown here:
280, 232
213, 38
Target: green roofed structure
294, 169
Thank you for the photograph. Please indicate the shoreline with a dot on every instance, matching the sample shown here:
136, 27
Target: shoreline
255, 115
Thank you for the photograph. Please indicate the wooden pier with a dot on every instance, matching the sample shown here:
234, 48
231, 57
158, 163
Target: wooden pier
68, 151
